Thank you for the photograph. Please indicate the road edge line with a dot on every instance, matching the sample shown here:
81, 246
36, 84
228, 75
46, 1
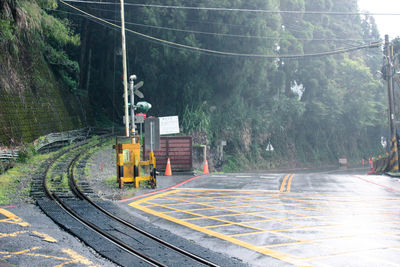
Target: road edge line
384, 186
161, 190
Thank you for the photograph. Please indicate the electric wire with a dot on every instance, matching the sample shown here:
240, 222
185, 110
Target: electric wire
220, 34
225, 53
238, 9
232, 35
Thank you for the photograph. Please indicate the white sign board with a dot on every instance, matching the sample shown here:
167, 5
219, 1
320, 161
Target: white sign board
269, 147
169, 125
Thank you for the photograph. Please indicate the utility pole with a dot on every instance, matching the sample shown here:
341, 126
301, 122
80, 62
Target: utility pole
125, 72
394, 153
132, 79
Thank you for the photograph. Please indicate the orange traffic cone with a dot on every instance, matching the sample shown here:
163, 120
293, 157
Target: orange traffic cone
168, 170
205, 169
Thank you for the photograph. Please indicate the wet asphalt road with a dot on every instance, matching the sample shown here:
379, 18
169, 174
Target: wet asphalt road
285, 219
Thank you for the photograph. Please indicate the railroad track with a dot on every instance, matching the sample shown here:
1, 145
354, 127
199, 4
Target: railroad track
61, 198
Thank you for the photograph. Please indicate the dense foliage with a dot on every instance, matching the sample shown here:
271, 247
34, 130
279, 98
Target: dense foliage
37, 72
311, 109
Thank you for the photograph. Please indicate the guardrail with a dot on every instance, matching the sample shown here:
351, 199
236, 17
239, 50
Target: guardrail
54, 141
7, 154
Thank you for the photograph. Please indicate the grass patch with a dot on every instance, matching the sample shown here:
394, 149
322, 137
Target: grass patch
111, 181
15, 184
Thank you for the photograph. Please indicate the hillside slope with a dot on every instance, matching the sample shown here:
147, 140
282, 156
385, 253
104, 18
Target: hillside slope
34, 98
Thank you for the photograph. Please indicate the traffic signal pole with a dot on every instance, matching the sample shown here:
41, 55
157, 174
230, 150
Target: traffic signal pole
394, 154
125, 72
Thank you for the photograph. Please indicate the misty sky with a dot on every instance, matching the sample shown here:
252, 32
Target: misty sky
386, 24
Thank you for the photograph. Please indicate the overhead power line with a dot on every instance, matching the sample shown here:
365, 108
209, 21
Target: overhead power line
226, 53
238, 9
278, 38
231, 35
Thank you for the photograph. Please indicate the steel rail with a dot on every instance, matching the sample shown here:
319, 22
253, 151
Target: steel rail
75, 189
107, 235
79, 218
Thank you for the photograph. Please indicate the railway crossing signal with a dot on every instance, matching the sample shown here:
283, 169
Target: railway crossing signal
136, 91
129, 160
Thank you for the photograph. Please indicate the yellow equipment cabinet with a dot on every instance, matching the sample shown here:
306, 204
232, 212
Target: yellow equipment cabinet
129, 164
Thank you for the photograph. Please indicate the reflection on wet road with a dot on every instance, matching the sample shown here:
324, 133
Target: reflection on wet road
288, 219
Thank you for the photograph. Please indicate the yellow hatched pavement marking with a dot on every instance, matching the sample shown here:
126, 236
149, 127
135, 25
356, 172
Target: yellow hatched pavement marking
239, 204
12, 218
215, 197
225, 208
73, 256
13, 234
76, 258
226, 222
25, 251
200, 216
275, 254
293, 211
45, 237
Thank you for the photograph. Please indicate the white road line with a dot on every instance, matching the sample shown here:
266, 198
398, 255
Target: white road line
243, 176
219, 176
268, 177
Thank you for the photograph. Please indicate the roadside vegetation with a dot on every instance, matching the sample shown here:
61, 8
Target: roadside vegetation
312, 110
15, 183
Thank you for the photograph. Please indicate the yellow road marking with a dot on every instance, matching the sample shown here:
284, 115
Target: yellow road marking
224, 215
25, 251
45, 237
275, 254
267, 209
214, 207
76, 258
268, 218
283, 183
73, 256
38, 255
264, 217
13, 234
289, 183
215, 197
200, 216
12, 218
